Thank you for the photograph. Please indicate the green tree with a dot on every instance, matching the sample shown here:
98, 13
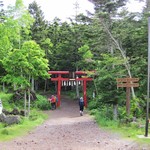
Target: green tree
60, 35
86, 62
17, 19
106, 12
21, 65
39, 27
105, 81
133, 34
39, 33
22, 22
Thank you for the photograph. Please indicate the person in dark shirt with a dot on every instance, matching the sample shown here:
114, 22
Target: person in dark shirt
81, 105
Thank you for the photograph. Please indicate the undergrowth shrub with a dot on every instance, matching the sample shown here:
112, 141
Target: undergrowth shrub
92, 104
5, 98
36, 115
104, 121
41, 103
93, 111
136, 108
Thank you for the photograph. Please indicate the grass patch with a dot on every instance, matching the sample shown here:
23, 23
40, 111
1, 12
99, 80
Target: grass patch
129, 131
26, 125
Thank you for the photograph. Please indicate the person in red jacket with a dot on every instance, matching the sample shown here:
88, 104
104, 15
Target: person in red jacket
53, 102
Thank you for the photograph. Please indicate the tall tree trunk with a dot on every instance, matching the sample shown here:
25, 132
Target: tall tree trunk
45, 86
96, 89
3, 86
121, 51
29, 101
29, 97
115, 111
15, 87
32, 87
25, 103
36, 85
21, 76
19, 39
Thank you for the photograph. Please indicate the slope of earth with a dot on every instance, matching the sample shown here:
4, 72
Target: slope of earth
65, 129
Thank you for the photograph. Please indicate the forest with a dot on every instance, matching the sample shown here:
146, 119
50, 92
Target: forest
111, 41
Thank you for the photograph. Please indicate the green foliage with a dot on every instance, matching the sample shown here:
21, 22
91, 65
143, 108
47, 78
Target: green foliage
86, 57
5, 132
127, 130
41, 103
137, 107
108, 69
25, 63
136, 110
39, 27
104, 120
37, 65
86, 53
92, 104
70, 94
19, 22
37, 116
5, 98
93, 112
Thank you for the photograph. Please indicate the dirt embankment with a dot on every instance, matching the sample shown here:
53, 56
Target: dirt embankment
67, 130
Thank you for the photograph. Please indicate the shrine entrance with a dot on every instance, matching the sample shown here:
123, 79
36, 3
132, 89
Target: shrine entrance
70, 82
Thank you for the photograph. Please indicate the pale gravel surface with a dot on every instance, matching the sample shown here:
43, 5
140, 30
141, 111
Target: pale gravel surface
66, 130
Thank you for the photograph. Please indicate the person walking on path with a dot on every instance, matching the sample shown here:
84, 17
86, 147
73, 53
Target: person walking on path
81, 105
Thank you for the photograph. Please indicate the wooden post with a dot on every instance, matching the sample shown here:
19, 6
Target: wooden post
59, 89
127, 83
84, 93
128, 100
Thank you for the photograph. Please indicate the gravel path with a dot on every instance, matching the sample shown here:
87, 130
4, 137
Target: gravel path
66, 130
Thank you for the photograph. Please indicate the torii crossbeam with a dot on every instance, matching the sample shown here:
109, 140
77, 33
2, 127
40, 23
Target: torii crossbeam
60, 79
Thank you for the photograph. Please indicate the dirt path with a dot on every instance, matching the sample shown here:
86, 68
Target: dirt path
66, 130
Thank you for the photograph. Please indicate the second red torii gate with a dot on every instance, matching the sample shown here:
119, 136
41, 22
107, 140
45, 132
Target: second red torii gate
60, 79
84, 79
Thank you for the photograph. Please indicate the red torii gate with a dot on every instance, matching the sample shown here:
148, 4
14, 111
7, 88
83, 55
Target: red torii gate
60, 79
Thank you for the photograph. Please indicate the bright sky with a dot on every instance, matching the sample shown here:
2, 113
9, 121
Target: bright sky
64, 9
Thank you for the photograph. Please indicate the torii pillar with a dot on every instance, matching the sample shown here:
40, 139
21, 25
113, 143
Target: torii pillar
84, 79
59, 79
